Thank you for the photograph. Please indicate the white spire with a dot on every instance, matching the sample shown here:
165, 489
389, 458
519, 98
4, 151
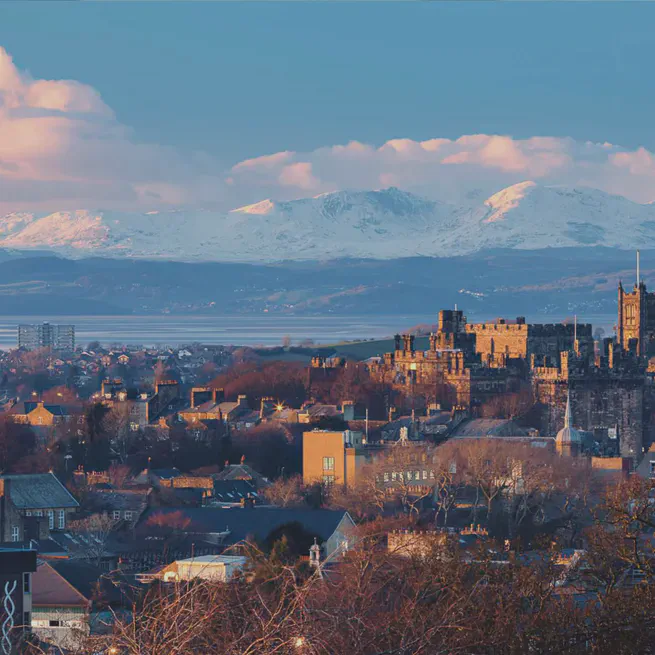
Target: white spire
567, 415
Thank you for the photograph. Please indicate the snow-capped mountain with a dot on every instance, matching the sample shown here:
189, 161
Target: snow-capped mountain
383, 224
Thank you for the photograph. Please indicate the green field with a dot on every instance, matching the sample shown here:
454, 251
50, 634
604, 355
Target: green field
356, 350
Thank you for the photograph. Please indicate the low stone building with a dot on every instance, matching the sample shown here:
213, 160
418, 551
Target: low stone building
32, 505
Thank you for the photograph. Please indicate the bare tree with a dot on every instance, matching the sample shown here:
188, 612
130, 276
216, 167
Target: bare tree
286, 492
117, 423
93, 533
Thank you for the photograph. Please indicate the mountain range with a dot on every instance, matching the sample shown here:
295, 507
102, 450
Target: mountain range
384, 224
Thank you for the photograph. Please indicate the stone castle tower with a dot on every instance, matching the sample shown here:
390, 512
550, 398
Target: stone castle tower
636, 318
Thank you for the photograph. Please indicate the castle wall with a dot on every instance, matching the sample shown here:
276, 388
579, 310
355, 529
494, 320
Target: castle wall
604, 402
520, 340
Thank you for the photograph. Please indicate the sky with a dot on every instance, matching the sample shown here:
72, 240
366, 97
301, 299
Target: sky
135, 105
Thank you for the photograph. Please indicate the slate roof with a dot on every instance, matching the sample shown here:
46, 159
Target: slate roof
165, 474
232, 491
87, 579
119, 499
29, 406
51, 589
258, 522
489, 427
38, 491
242, 472
318, 410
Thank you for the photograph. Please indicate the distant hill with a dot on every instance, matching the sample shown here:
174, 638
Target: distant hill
560, 281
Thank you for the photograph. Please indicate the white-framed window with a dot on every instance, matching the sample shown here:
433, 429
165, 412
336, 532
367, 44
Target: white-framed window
116, 514
38, 512
328, 463
28, 513
328, 480
425, 475
61, 524
386, 477
15, 533
51, 519
128, 515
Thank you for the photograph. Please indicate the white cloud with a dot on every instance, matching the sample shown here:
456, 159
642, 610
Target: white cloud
450, 169
61, 147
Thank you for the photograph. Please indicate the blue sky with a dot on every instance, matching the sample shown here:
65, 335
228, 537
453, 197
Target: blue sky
241, 80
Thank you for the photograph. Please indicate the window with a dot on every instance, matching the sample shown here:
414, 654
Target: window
425, 475
15, 533
328, 480
54, 623
28, 513
26, 583
386, 477
128, 516
51, 519
652, 468
116, 515
328, 463
38, 512
394, 475
62, 519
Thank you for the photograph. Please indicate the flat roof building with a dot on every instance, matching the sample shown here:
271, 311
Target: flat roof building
32, 336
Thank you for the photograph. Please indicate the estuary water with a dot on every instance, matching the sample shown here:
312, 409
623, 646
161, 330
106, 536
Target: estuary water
245, 330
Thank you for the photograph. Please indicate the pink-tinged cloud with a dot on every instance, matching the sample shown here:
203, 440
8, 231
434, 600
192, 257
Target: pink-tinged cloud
453, 170
62, 147
299, 175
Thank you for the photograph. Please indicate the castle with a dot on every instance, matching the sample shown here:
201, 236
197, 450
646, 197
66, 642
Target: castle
609, 384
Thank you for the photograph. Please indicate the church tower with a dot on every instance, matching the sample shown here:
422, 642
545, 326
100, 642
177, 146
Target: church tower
633, 330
